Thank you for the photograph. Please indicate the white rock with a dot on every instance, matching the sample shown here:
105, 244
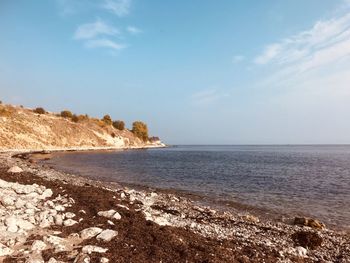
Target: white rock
90, 232
112, 214
82, 258
302, 252
69, 222
24, 224
5, 251
89, 249
15, 169
20, 203
11, 223
107, 235
104, 260
38, 245
52, 260
7, 201
58, 219
70, 215
60, 208
47, 193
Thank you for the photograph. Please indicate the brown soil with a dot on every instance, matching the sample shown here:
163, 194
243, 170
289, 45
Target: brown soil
139, 240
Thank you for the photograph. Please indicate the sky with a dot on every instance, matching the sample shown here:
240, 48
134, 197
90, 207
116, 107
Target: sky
197, 72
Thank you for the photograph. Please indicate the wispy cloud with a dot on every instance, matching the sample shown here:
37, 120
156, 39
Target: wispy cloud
208, 96
133, 30
104, 43
325, 42
91, 30
117, 7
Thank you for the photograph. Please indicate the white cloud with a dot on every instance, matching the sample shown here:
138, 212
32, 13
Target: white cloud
325, 42
133, 30
104, 43
117, 7
91, 30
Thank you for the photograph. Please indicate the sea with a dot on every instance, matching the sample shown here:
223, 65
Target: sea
286, 180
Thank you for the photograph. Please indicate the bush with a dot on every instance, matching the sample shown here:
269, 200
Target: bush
75, 118
120, 125
107, 119
113, 134
39, 110
66, 114
140, 130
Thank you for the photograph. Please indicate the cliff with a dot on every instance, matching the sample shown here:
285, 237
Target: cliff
23, 129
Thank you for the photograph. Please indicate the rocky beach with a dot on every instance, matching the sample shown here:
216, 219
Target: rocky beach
50, 216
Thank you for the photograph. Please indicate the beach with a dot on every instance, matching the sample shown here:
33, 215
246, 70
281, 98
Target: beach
146, 226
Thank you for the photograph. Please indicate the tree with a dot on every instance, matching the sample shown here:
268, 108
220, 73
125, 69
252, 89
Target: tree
75, 118
39, 110
140, 130
120, 125
66, 114
107, 119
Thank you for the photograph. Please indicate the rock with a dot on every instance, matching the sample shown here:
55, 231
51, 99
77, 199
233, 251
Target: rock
58, 219
24, 224
310, 222
89, 249
5, 251
7, 201
307, 239
60, 208
69, 222
11, 223
82, 258
38, 245
46, 194
70, 215
15, 169
52, 260
90, 232
302, 252
19, 203
107, 235
251, 218
112, 214
104, 260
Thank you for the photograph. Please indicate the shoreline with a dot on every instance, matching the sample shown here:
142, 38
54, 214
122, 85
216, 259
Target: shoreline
240, 234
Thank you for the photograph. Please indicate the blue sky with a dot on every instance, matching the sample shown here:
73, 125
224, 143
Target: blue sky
198, 72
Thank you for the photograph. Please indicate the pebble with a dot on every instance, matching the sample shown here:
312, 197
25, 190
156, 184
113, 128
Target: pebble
90, 232
90, 248
107, 235
15, 169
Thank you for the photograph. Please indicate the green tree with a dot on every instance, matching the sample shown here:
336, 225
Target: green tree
66, 114
107, 119
140, 130
120, 125
39, 110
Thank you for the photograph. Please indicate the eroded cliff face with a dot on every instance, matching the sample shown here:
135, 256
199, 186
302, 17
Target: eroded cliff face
22, 129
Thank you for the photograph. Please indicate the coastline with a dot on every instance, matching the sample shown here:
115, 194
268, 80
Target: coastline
244, 238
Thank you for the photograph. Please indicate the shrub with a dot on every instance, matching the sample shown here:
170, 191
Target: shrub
113, 134
140, 130
154, 139
120, 125
75, 118
107, 119
39, 110
66, 114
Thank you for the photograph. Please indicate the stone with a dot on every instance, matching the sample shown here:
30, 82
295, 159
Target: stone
15, 169
90, 232
70, 215
7, 201
5, 251
107, 235
46, 194
58, 219
24, 224
310, 222
302, 252
60, 208
90, 249
112, 214
11, 223
38, 245
69, 222
251, 218
82, 258
104, 260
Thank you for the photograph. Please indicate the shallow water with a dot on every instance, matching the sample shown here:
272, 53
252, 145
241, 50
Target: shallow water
305, 180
